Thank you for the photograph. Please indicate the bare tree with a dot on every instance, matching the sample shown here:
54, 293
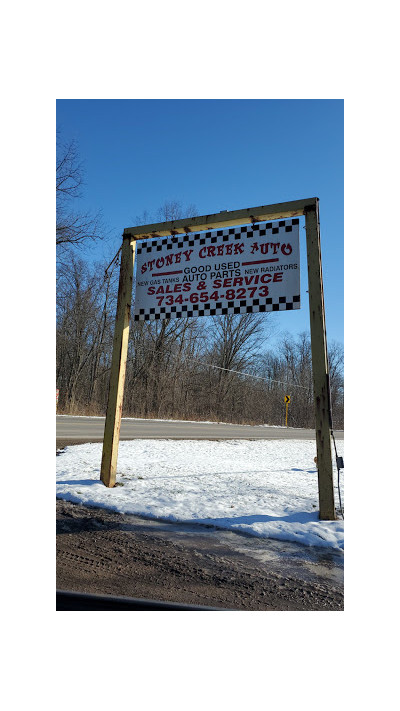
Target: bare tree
174, 210
336, 363
85, 308
169, 211
234, 341
74, 228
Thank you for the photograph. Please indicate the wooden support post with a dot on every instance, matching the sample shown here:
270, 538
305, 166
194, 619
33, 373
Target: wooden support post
118, 364
319, 365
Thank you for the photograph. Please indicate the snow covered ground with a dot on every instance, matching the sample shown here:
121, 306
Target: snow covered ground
263, 488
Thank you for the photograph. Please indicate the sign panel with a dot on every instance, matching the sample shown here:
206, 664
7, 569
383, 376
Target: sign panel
287, 399
239, 270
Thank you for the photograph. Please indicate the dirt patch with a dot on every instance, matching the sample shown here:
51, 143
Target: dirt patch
102, 552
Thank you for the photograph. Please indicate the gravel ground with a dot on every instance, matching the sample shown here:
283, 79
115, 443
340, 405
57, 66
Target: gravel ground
103, 552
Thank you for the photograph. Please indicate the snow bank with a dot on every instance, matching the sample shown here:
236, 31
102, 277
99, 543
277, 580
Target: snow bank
264, 488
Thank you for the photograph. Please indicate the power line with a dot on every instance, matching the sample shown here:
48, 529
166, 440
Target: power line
250, 375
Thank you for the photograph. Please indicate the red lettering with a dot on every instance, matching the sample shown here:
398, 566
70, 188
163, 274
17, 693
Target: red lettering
168, 260
151, 290
227, 282
286, 249
278, 276
266, 278
221, 249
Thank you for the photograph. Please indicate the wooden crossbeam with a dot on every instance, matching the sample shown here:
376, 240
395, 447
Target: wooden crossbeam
249, 215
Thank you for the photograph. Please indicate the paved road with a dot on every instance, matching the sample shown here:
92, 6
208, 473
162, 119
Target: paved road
91, 429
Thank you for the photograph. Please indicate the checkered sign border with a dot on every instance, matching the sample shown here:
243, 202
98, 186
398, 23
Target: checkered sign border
202, 238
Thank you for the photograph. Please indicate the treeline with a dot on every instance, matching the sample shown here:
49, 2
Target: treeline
181, 368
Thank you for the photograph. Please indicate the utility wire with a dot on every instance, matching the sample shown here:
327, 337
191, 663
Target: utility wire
339, 460
250, 375
112, 261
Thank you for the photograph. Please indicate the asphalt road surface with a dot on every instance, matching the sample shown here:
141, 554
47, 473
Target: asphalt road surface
91, 429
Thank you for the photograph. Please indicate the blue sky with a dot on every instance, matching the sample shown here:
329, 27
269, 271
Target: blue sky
216, 155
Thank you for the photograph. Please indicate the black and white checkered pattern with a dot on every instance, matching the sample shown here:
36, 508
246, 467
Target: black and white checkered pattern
252, 306
258, 305
262, 229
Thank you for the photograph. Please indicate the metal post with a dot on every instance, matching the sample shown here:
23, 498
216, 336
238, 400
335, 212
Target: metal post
118, 364
319, 365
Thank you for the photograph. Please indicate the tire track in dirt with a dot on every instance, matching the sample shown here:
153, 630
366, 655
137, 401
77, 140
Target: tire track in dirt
100, 552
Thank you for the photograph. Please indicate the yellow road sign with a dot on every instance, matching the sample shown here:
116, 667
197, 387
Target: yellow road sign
287, 399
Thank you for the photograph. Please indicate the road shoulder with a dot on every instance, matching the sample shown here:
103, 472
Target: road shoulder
103, 552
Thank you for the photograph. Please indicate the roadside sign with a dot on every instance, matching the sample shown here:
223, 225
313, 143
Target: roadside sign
249, 269
198, 284
287, 401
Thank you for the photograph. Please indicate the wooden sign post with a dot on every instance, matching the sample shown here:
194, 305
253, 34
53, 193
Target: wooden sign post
249, 216
118, 365
320, 368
